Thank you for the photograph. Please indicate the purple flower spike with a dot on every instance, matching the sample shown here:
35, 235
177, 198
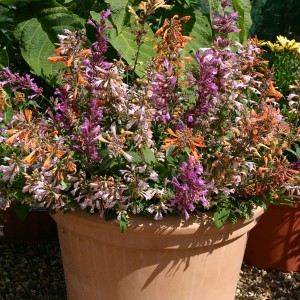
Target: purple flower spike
100, 46
87, 142
226, 22
21, 83
163, 96
206, 84
190, 188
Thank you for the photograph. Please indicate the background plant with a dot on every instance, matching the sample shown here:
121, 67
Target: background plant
275, 17
284, 58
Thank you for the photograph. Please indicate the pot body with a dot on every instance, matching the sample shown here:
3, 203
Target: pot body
167, 259
275, 242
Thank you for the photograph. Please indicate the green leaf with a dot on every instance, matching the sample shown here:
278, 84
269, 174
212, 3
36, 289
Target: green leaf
125, 43
215, 6
221, 216
264, 206
123, 223
8, 114
170, 150
6, 18
119, 12
107, 163
15, 1
4, 60
136, 158
65, 185
148, 156
55, 20
36, 36
36, 47
243, 7
198, 27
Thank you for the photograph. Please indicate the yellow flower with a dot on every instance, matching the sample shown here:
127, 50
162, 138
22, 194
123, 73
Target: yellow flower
287, 44
273, 47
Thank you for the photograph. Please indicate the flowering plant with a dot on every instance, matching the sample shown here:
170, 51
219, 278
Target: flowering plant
191, 134
284, 59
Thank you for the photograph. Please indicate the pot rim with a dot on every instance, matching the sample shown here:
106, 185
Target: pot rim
198, 231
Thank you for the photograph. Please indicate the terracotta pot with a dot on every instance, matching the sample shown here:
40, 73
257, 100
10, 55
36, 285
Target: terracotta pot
168, 259
275, 242
38, 226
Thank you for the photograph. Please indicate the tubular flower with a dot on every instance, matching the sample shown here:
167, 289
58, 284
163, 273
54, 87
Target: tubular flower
206, 83
162, 93
226, 22
172, 41
3, 99
87, 140
125, 136
184, 140
190, 188
116, 143
99, 47
21, 83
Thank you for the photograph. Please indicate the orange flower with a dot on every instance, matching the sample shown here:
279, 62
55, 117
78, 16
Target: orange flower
85, 52
59, 153
11, 139
28, 115
47, 163
55, 59
72, 167
172, 41
3, 102
273, 92
58, 50
182, 140
30, 159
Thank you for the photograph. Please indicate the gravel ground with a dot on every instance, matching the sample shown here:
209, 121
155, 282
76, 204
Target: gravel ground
34, 272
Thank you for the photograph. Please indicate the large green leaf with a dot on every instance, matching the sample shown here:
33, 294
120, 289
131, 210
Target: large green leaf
125, 44
119, 12
243, 7
220, 216
6, 24
35, 47
148, 156
36, 36
56, 19
215, 6
15, 1
198, 27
